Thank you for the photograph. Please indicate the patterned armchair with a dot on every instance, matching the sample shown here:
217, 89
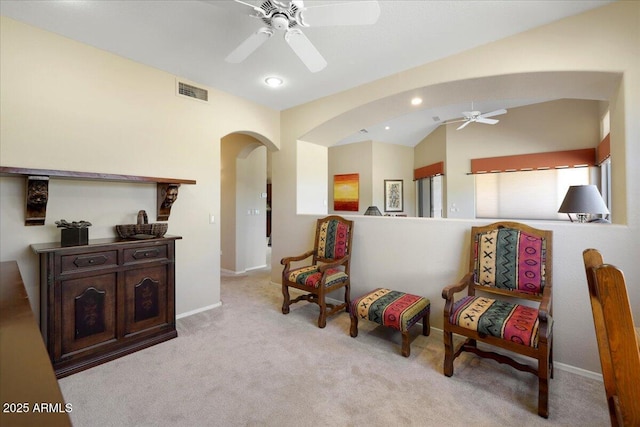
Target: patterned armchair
509, 263
328, 271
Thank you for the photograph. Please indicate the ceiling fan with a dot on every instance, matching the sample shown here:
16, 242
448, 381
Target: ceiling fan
478, 117
289, 16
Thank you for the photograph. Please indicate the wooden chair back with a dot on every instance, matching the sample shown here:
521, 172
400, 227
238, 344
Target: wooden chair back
617, 339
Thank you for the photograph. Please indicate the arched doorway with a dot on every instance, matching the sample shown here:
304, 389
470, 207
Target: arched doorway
243, 207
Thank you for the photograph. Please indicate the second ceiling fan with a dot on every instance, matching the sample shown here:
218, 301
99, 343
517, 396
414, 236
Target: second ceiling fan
290, 16
478, 117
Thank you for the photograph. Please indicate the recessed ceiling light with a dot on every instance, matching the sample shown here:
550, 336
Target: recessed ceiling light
273, 81
416, 101
387, 127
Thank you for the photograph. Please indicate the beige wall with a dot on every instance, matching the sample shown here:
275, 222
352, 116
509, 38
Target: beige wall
432, 149
374, 162
243, 176
251, 209
392, 161
311, 176
69, 106
353, 158
423, 255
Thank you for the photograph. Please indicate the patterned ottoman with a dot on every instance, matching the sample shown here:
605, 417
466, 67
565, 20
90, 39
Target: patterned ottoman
393, 309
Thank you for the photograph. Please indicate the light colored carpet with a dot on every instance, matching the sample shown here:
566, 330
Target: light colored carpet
247, 364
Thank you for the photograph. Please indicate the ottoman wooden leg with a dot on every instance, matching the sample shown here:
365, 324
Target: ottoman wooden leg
354, 324
406, 349
426, 326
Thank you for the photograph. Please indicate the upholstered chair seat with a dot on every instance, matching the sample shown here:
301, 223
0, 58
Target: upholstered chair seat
501, 319
312, 276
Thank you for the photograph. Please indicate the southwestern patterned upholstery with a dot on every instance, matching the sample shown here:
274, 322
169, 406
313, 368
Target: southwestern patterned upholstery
328, 270
511, 262
508, 321
510, 259
393, 309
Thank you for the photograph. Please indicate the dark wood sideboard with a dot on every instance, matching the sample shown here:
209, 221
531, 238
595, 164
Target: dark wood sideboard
106, 299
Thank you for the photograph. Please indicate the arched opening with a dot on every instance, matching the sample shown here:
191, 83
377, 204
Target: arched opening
245, 177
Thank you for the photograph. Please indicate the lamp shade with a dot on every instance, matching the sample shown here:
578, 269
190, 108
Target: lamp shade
583, 199
373, 210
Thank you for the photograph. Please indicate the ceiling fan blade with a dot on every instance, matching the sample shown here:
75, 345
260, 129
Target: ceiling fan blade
305, 50
354, 13
248, 46
487, 121
493, 113
256, 9
455, 121
463, 125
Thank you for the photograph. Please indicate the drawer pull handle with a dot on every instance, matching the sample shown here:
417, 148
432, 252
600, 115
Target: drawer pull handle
84, 261
146, 254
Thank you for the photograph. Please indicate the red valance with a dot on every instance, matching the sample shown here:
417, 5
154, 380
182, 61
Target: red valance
428, 171
604, 149
523, 162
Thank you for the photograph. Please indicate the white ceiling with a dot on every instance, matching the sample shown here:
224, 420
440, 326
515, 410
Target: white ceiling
191, 38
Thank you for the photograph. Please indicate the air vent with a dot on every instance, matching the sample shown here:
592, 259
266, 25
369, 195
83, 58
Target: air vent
193, 92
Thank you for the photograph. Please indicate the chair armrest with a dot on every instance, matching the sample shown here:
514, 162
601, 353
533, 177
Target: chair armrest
449, 291
289, 260
334, 264
544, 310
286, 261
544, 315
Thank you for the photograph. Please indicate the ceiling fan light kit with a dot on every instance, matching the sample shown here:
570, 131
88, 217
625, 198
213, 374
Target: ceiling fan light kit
289, 16
273, 81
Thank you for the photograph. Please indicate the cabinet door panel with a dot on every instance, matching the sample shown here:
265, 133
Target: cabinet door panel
145, 298
88, 311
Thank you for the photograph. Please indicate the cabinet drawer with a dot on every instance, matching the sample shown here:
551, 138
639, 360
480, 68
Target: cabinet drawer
145, 253
88, 260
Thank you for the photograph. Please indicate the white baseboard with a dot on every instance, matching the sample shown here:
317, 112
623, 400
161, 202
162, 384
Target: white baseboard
198, 310
232, 272
578, 371
237, 273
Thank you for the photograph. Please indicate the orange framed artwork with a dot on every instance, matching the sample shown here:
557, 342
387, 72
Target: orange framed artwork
346, 192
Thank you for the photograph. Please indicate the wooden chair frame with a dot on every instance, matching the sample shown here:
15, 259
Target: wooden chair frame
543, 353
618, 340
318, 295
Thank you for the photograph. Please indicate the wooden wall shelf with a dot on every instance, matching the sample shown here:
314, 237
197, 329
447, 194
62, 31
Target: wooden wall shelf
38, 188
8, 170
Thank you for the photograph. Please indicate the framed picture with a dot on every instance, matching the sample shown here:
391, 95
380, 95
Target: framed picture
346, 192
393, 195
